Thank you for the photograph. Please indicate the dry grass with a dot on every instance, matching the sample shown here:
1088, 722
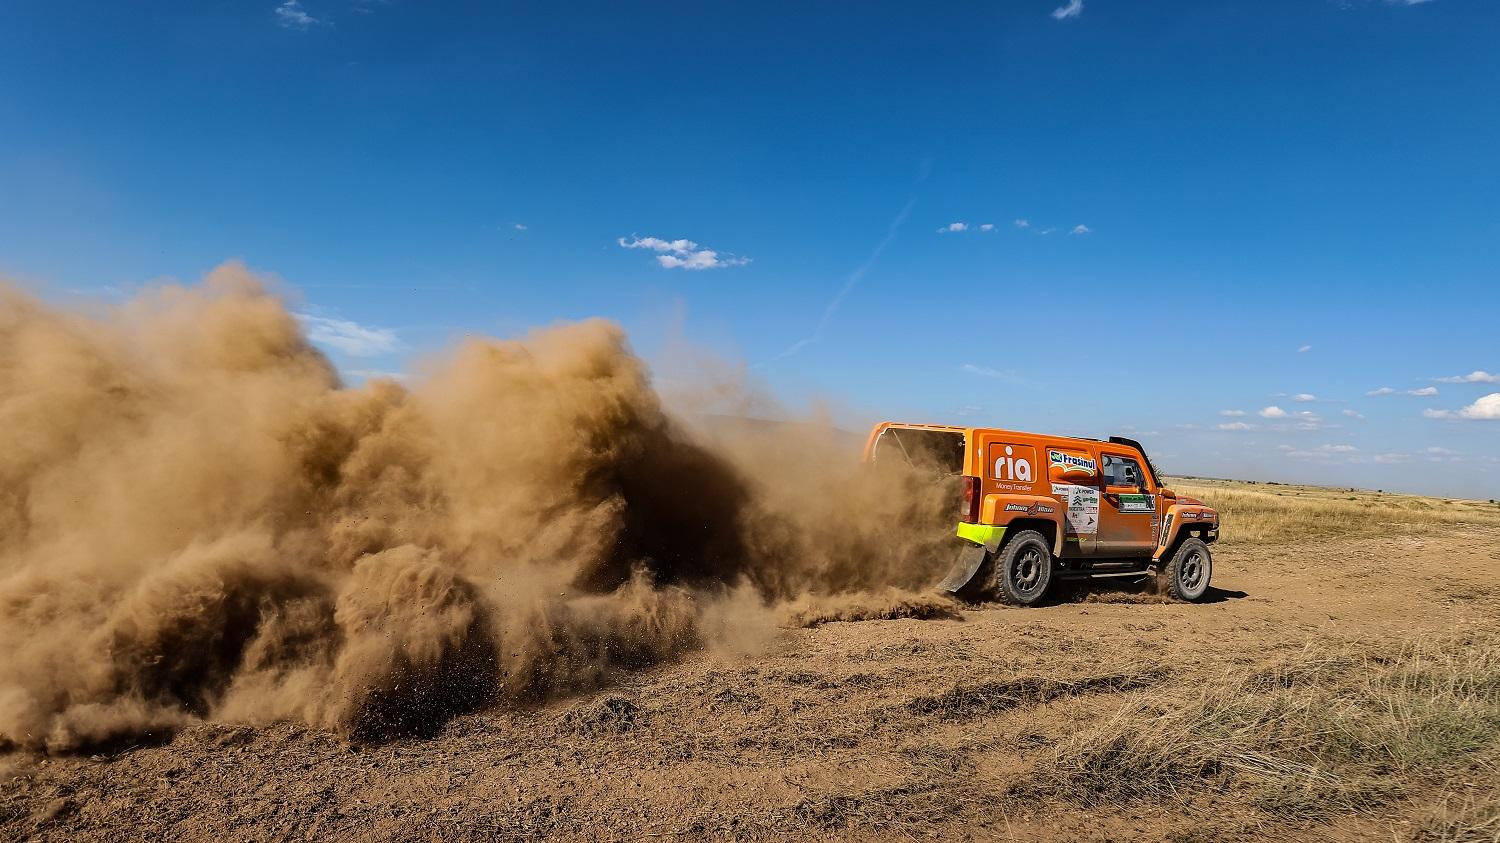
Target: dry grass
1328, 731
963, 701
1274, 513
1465, 822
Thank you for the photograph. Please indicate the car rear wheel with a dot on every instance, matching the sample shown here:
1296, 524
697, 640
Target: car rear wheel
1189, 571
1022, 570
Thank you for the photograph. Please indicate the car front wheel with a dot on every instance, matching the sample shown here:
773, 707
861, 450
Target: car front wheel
1189, 571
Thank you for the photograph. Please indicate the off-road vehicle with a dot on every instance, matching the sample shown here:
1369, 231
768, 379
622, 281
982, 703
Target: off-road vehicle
1037, 509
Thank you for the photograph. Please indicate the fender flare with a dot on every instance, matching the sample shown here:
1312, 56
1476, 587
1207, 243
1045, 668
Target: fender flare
1173, 522
998, 512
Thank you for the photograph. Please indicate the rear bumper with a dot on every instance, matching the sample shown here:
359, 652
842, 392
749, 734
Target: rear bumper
987, 536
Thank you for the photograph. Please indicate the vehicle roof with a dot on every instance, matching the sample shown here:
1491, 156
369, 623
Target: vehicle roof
887, 425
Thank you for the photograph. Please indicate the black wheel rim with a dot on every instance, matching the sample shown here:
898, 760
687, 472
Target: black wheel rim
1026, 570
1194, 572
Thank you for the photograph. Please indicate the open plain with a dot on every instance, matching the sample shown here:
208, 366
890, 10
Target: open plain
1342, 683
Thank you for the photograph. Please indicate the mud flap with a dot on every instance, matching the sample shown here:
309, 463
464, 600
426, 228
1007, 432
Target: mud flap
970, 557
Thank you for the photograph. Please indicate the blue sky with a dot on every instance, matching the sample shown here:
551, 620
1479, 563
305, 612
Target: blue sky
1194, 207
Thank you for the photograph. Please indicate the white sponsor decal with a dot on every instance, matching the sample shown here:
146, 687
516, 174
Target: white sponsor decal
1083, 507
1011, 467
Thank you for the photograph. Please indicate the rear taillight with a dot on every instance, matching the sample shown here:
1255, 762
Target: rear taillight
970, 511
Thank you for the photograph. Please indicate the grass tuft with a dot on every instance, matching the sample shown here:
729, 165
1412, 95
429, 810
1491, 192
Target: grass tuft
1468, 822
962, 701
1325, 732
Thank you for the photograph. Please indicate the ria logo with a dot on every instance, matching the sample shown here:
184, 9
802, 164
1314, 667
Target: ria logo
1071, 464
1012, 467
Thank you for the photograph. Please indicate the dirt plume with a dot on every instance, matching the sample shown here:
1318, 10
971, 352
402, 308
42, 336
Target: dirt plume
200, 522
890, 604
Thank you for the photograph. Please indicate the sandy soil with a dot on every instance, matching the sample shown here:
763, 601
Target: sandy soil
870, 730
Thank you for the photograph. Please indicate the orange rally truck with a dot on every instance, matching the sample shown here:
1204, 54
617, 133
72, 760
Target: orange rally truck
1038, 508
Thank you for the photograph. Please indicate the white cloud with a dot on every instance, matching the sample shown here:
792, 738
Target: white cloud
1235, 426
1231, 413
681, 254
1442, 452
1322, 453
1353, 414
1072, 10
1081, 229
520, 226
1388, 459
987, 372
701, 259
1304, 397
1476, 376
1309, 421
1023, 223
988, 226
377, 374
1273, 412
954, 226
351, 338
1424, 392
1487, 408
659, 245
1304, 349
1384, 390
290, 15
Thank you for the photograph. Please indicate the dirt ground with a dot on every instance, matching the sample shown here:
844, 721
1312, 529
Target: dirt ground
868, 730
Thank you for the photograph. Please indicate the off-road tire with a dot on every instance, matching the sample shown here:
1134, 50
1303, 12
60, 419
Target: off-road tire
1188, 571
1021, 571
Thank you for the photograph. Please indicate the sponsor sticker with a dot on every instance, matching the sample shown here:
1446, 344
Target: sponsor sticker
1137, 503
1014, 462
1029, 509
1082, 502
1071, 464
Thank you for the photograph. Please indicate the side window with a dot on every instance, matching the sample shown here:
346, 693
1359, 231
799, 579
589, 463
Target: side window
1122, 471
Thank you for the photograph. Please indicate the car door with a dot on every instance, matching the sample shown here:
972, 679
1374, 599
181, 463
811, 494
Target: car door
1073, 469
1127, 511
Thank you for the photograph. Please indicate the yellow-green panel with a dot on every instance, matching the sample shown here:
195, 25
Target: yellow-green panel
988, 535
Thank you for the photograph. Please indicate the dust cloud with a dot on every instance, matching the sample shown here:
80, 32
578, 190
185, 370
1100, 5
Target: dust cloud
198, 521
